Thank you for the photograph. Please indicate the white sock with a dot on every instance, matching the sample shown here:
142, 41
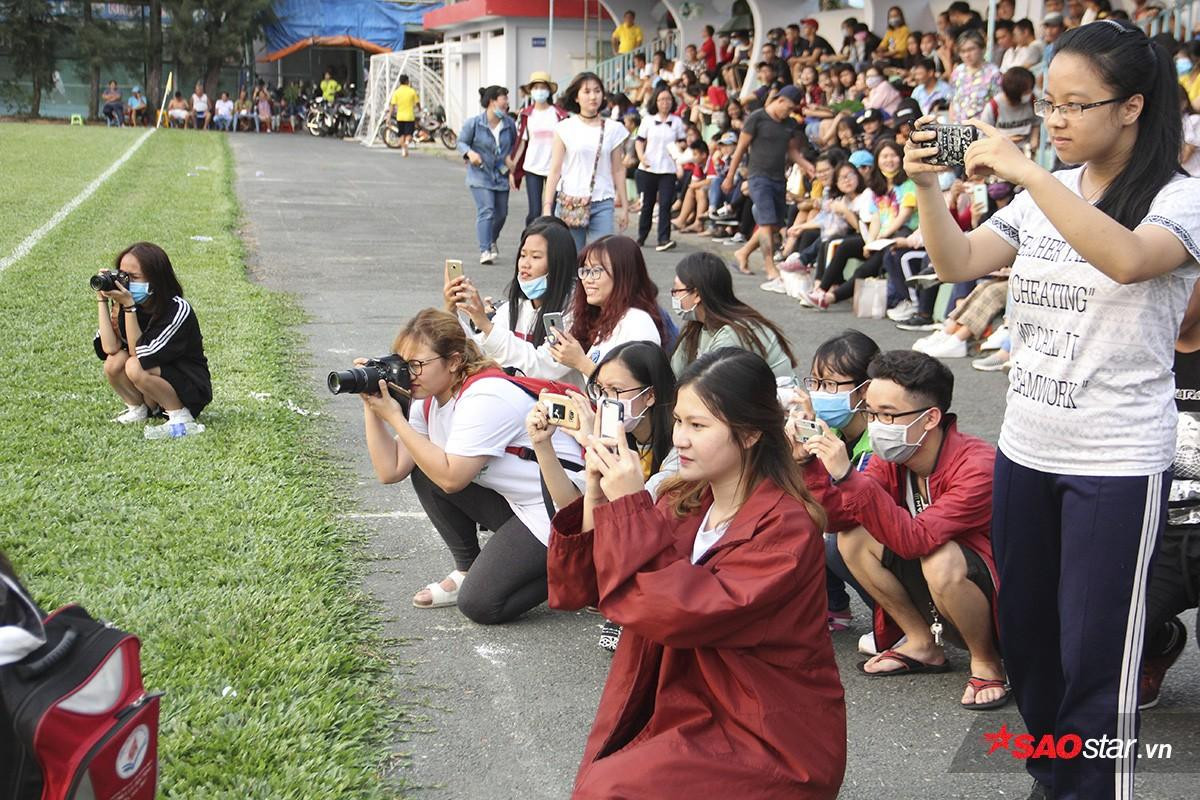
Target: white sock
179, 415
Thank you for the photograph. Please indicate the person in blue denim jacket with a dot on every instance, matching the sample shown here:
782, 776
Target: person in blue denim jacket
486, 144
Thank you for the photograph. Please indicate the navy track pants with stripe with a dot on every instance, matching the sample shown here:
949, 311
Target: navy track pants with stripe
1073, 554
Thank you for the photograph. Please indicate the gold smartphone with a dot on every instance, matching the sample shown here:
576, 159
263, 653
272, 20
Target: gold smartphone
560, 410
453, 269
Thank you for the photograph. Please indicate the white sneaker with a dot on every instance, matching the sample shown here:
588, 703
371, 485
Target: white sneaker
994, 341
486, 257
131, 415
901, 311
947, 347
922, 344
774, 285
866, 644
173, 430
994, 362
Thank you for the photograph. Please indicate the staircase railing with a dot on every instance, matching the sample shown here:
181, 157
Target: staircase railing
1180, 20
613, 70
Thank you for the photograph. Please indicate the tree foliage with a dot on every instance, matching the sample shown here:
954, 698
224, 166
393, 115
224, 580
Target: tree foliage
207, 34
33, 36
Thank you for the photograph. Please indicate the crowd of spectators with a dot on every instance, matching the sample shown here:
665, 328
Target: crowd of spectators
256, 108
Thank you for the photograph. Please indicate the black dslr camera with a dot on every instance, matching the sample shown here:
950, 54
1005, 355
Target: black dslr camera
365, 379
108, 280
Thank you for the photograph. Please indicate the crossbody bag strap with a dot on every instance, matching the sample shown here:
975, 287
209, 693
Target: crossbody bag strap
596, 163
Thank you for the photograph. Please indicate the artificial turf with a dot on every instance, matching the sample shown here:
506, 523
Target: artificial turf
224, 552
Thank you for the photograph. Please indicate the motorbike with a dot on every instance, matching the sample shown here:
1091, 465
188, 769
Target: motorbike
321, 119
339, 118
431, 126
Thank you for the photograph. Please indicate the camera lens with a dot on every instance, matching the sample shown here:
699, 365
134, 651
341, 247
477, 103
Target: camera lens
102, 283
356, 380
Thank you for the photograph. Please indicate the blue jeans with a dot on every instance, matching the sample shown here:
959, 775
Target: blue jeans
535, 187
223, 123
491, 210
600, 223
769, 196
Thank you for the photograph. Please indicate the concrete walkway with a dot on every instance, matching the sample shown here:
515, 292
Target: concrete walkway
359, 236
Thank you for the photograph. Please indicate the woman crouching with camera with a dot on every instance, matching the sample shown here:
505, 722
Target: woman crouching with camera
719, 586
464, 445
150, 342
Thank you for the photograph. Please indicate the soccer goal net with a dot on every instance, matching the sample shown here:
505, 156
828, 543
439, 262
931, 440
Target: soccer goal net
425, 68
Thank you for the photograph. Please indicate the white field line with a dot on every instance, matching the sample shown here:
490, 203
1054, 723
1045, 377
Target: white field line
32, 239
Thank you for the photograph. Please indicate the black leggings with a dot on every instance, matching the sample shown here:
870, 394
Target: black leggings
851, 247
658, 188
1174, 584
508, 576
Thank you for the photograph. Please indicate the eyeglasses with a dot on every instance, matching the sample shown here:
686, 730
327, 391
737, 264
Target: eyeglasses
819, 385
597, 392
1044, 108
591, 273
888, 419
415, 367
674, 292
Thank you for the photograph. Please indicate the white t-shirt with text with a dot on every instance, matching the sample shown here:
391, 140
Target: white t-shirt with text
1091, 389
539, 133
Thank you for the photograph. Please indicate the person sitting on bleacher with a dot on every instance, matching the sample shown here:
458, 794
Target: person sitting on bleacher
113, 110
916, 525
137, 106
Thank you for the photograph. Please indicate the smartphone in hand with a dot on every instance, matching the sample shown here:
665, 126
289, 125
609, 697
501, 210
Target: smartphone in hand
560, 410
612, 417
454, 269
552, 322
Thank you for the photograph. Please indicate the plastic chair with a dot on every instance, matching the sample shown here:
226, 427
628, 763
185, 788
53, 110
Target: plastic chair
77, 119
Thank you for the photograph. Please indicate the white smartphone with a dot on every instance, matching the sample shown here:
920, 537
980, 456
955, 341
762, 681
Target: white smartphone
979, 198
805, 429
612, 415
453, 269
552, 321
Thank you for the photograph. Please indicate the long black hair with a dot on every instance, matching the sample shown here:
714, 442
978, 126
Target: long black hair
738, 388
570, 95
158, 272
652, 102
1128, 61
560, 280
706, 275
648, 365
878, 182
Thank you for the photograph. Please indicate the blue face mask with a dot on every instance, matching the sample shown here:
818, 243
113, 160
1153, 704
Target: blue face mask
534, 288
833, 408
140, 290
1183, 65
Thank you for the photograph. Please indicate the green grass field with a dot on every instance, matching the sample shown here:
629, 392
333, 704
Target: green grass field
223, 552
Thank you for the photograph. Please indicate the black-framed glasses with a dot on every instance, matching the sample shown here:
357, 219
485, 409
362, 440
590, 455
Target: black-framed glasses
415, 367
674, 292
1044, 108
597, 392
824, 385
590, 273
888, 419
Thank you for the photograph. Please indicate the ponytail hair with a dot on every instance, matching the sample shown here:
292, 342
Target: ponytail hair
1132, 64
489, 94
444, 335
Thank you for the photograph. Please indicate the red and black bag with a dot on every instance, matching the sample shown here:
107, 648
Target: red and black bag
75, 720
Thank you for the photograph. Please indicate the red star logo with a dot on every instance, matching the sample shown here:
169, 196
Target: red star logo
999, 740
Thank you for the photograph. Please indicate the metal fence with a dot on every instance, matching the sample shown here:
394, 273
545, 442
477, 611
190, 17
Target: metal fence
613, 70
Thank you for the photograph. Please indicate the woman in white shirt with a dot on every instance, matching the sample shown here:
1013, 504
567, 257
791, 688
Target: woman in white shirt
1104, 259
200, 115
515, 335
463, 442
535, 140
579, 170
615, 302
660, 132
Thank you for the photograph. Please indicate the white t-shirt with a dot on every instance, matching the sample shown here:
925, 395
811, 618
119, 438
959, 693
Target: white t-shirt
482, 421
635, 326
706, 538
1091, 389
224, 108
581, 141
513, 348
1191, 135
659, 134
539, 133
200, 103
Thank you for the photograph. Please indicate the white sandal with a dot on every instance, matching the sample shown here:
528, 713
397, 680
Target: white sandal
441, 597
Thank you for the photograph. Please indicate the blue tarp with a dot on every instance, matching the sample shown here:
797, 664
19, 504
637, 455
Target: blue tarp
371, 20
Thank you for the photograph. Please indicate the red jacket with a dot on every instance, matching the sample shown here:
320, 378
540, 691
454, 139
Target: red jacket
724, 683
960, 491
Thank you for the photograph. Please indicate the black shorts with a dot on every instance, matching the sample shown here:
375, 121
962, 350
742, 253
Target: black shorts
406, 128
1174, 584
193, 396
908, 572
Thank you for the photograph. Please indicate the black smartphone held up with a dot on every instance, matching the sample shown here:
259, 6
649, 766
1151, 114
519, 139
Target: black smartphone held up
552, 321
952, 143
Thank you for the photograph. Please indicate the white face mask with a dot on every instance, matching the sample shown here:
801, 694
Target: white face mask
540, 95
890, 441
685, 314
631, 421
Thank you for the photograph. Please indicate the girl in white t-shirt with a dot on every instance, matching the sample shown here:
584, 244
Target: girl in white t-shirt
661, 132
575, 169
515, 335
1103, 258
466, 451
535, 140
615, 302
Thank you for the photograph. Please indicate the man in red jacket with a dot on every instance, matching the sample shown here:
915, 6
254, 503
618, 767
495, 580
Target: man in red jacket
917, 524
